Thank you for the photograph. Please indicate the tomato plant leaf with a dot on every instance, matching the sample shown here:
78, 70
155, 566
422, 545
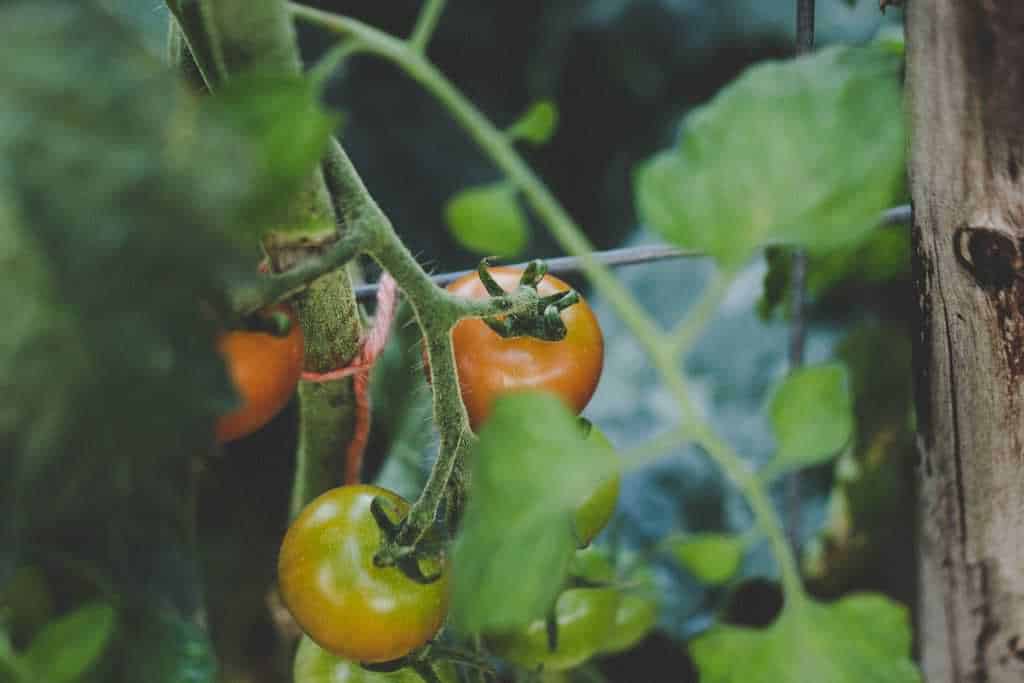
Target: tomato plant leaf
712, 558
883, 257
117, 193
537, 125
807, 151
862, 637
165, 648
812, 415
488, 220
869, 520
285, 125
70, 646
530, 471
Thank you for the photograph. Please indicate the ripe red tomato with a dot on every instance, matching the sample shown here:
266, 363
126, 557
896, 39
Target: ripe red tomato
490, 365
595, 512
344, 602
585, 617
316, 665
265, 370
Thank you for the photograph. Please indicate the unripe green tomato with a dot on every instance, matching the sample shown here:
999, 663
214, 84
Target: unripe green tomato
597, 509
636, 617
593, 565
313, 664
585, 617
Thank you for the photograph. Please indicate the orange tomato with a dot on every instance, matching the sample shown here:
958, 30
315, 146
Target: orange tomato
490, 365
343, 601
265, 370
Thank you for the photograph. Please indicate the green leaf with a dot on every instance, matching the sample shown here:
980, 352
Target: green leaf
285, 125
488, 220
712, 558
881, 260
69, 647
807, 151
114, 201
531, 470
863, 637
165, 648
870, 512
26, 602
537, 125
892, 38
117, 191
812, 416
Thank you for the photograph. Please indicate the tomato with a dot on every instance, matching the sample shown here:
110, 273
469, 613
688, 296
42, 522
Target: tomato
597, 509
344, 602
585, 617
636, 617
592, 565
490, 365
313, 664
265, 370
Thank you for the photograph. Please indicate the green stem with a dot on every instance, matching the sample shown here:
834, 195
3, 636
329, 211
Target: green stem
657, 344
276, 287
655, 448
436, 312
766, 517
461, 656
497, 146
228, 37
426, 22
697, 318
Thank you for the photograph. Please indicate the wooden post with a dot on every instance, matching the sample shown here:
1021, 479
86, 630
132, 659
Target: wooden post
965, 82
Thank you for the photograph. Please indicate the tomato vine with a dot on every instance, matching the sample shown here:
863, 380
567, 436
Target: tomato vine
662, 346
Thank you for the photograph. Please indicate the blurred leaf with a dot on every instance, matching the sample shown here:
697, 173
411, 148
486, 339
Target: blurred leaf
863, 637
488, 220
882, 259
807, 151
592, 564
892, 38
537, 125
811, 415
112, 235
777, 280
870, 519
281, 116
12, 668
164, 648
26, 602
530, 471
712, 558
118, 190
71, 646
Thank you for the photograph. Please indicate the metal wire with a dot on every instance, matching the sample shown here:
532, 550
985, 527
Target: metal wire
619, 257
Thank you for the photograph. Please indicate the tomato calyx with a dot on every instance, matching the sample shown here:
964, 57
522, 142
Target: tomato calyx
407, 558
415, 661
544, 320
425, 661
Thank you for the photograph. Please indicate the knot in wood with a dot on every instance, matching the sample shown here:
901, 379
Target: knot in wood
992, 258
